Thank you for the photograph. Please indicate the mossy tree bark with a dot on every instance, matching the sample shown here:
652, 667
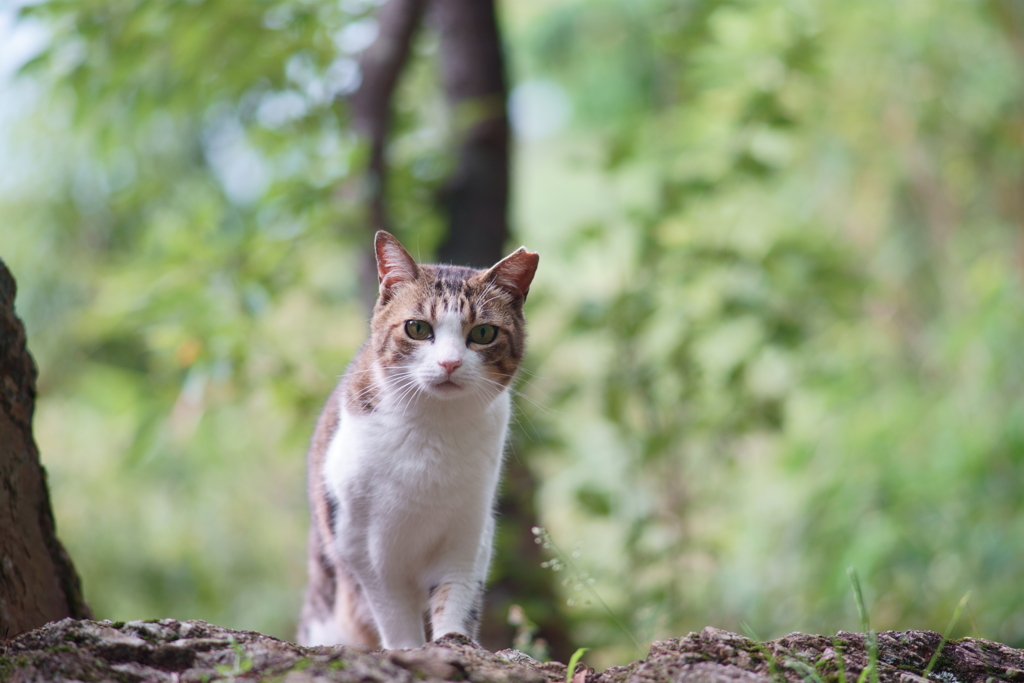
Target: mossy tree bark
38, 583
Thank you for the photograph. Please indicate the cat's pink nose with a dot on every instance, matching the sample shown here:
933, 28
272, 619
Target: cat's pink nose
449, 365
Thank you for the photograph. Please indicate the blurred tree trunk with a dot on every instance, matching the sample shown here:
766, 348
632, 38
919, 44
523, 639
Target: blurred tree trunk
38, 583
1009, 16
381, 65
475, 197
475, 204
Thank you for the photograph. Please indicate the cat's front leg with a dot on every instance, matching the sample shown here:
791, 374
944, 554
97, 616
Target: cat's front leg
455, 606
457, 600
398, 612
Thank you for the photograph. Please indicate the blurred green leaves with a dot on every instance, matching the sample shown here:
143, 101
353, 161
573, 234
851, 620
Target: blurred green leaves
180, 242
784, 362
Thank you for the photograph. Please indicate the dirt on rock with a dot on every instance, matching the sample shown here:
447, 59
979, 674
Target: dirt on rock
193, 651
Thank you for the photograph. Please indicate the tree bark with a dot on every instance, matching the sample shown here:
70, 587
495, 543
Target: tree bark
371, 105
475, 197
380, 66
475, 200
37, 580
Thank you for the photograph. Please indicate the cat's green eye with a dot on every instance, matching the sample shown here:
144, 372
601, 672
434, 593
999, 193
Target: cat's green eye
418, 329
483, 334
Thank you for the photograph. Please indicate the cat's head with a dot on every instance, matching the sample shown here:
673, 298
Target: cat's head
447, 331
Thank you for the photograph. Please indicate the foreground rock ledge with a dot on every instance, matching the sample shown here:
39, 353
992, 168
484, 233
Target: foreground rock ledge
183, 651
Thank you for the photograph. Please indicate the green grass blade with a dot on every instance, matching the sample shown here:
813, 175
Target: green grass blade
573, 662
870, 672
945, 634
840, 662
773, 664
806, 669
858, 595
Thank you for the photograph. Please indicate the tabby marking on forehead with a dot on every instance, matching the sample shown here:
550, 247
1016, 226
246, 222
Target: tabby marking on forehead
435, 291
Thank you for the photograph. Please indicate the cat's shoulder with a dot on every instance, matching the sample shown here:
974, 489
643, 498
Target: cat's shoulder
358, 391
326, 427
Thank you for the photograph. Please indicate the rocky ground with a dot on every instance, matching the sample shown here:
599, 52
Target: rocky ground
175, 651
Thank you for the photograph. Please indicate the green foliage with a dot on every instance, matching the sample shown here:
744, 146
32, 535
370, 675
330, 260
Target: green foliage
184, 272
775, 332
182, 239
795, 297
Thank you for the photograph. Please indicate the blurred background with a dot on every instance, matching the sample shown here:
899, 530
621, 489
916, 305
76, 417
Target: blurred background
776, 331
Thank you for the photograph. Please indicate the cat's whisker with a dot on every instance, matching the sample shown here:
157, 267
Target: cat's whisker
403, 385
513, 412
528, 382
359, 373
374, 385
538, 390
410, 392
516, 392
397, 387
487, 301
487, 290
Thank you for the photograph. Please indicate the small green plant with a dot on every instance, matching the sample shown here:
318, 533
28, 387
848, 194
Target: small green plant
840, 662
526, 639
573, 661
580, 581
870, 672
945, 634
241, 665
773, 663
809, 672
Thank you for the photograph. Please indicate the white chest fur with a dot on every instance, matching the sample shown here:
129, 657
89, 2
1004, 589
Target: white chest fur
415, 487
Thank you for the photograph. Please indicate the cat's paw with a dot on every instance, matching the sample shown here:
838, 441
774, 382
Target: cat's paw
455, 638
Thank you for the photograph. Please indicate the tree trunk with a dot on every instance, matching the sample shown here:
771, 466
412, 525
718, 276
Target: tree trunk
37, 580
380, 66
475, 197
475, 203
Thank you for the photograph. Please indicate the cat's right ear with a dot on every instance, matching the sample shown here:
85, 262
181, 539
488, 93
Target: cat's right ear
394, 264
515, 272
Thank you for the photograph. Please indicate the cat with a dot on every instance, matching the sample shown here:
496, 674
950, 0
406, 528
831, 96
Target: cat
405, 459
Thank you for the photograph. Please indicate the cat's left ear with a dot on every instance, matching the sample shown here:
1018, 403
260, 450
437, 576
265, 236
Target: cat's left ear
394, 264
515, 272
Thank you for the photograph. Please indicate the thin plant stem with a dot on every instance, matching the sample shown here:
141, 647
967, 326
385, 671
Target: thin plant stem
773, 665
840, 662
571, 669
870, 672
945, 634
806, 669
566, 560
858, 595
